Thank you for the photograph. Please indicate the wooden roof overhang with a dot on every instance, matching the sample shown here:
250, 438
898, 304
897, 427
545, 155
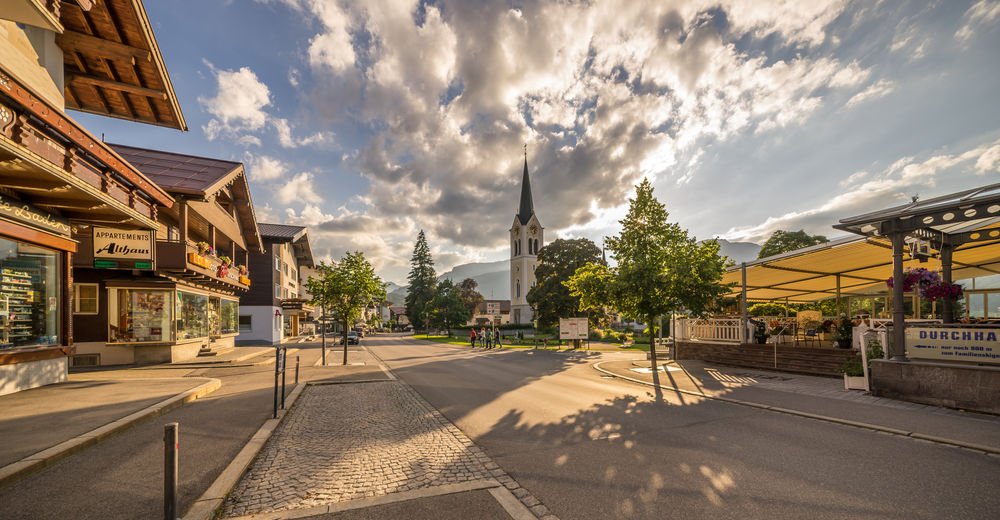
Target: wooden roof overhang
37, 13
49, 160
113, 65
863, 264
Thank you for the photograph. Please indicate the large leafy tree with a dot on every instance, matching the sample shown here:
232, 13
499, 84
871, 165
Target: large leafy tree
422, 282
660, 269
447, 308
345, 289
557, 262
785, 241
471, 297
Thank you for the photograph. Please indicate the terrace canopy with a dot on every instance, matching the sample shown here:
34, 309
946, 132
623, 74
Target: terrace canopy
853, 266
956, 234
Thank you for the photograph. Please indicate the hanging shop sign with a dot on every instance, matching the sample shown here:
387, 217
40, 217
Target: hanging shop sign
123, 248
980, 345
24, 213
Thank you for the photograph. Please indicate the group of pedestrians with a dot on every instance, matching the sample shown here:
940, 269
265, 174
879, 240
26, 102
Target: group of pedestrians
488, 339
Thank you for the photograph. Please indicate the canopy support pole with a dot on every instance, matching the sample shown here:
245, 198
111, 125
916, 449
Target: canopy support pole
840, 310
898, 348
948, 313
744, 314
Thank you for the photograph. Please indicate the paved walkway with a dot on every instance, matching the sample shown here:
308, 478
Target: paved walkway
814, 395
348, 442
37, 419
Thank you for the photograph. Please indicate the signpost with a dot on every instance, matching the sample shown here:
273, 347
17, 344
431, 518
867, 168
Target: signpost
575, 329
279, 369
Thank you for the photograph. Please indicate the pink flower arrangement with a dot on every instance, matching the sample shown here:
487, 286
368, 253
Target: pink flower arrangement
929, 284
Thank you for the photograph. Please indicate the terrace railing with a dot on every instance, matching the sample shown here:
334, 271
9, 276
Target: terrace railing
711, 330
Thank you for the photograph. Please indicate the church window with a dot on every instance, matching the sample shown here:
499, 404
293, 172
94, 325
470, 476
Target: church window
530, 246
518, 288
536, 246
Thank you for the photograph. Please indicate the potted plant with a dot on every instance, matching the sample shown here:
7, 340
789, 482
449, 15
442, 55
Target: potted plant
243, 270
843, 334
854, 370
203, 248
225, 260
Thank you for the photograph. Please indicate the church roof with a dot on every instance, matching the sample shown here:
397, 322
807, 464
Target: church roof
527, 208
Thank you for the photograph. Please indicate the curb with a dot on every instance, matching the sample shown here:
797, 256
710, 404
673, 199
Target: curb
47, 457
210, 502
836, 420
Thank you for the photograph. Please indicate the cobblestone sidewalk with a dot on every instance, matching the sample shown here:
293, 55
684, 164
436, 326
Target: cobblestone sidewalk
352, 441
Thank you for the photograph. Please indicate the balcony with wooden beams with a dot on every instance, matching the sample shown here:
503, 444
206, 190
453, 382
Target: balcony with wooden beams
50, 161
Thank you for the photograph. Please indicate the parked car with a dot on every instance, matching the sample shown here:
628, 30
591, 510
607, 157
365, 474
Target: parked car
352, 338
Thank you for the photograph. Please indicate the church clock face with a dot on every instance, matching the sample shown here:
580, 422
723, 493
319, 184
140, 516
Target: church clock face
517, 229
533, 229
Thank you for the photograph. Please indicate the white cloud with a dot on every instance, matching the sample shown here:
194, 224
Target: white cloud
981, 13
238, 104
264, 168
880, 88
300, 188
286, 139
895, 184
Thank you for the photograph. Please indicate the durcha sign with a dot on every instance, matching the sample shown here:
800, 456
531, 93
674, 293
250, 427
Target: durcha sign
975, 344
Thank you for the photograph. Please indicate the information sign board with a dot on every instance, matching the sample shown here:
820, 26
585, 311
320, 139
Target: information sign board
573, 328
981, 345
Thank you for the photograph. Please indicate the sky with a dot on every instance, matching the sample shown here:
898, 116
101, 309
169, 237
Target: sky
370, 120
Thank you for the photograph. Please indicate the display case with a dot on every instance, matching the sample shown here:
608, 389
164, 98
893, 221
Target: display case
18, 300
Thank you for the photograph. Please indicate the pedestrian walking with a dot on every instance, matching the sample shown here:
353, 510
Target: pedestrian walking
472, 337
496, 339
489, 340
482, 337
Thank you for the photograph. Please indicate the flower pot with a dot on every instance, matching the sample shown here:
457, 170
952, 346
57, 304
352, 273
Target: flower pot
855, 382
843, 343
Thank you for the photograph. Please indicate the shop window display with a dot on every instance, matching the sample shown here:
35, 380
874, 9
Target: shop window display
139, 316
229, 317
29, 295
192, 316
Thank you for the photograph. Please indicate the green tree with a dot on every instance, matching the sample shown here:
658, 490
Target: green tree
471, 297
557, 262
785, 241
345, 289
660, 269
422, 282
447, 308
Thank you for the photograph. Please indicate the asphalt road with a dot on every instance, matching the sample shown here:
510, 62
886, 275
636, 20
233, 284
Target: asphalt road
122, 476
592, 447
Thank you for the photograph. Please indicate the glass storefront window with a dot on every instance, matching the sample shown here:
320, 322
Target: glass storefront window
29, 295
138, 315
229, 317
213, 315
191, 315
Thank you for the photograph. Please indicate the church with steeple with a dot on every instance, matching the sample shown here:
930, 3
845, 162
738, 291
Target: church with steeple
526, 238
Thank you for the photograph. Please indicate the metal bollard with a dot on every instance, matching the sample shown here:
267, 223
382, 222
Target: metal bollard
296, 370
284, 355
171, 447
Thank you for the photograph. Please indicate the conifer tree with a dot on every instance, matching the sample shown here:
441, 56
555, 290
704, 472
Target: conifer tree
422, 283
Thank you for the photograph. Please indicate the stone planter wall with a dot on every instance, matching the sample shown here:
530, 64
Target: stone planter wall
967, 387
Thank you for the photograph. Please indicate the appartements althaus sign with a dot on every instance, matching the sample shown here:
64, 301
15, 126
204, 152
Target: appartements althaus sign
121, 244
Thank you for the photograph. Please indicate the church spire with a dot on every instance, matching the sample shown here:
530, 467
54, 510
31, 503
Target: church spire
527, 208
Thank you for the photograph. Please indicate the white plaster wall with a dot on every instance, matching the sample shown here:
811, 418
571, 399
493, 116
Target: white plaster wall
261, 323
32, 374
